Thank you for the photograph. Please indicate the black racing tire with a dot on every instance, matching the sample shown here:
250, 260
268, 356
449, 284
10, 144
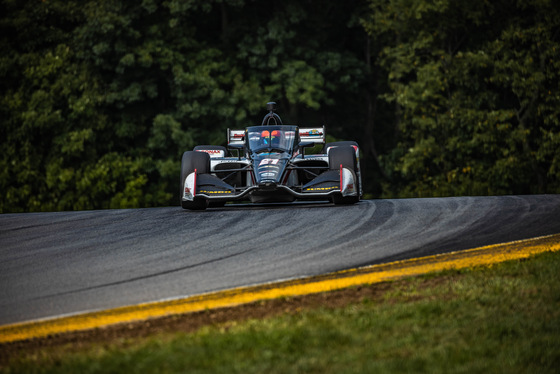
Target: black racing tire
339, 144
343, 143
201, 162
344, 155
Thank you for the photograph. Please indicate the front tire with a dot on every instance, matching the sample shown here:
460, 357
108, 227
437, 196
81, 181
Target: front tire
340, 144
345, 155
191, 161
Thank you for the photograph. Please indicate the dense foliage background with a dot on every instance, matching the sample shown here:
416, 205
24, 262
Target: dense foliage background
99, 99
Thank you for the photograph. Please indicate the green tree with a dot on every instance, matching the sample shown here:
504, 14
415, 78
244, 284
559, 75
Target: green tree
52, 131
473, 86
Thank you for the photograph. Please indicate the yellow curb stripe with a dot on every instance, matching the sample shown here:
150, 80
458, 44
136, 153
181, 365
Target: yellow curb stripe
372, 274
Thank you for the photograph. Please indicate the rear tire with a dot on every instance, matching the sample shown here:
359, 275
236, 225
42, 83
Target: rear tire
191, 161
345, 155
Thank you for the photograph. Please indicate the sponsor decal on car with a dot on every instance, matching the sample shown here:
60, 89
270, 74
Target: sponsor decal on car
321, 188
214, 192
307, 158
213, 152
266, 161
244, 162
312, 133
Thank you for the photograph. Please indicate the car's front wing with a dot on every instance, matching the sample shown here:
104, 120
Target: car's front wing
212, 188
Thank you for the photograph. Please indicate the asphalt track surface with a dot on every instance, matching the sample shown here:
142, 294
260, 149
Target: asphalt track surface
54, 264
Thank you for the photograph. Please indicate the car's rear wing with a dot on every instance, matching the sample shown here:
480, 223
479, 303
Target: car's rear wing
312, 134
307, 134
235, 136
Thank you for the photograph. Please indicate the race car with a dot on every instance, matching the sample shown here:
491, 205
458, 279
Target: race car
267, 163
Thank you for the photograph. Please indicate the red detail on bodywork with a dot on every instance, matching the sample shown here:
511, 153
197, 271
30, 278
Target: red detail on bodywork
253, 178
340, 177
286, 177
194, 188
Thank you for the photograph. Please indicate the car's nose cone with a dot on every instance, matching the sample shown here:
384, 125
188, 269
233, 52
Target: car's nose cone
267, 185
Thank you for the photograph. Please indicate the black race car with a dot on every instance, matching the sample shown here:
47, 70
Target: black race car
270, 165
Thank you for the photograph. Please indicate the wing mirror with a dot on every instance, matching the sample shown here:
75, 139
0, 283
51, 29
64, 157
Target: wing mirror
303, 145
237, 147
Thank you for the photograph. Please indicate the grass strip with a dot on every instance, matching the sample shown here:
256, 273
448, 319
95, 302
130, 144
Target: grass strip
483, 319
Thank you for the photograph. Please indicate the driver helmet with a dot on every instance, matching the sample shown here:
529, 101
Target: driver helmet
265, 136
276, 137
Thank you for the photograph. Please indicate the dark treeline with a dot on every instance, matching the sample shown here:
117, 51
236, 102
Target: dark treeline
99, 99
